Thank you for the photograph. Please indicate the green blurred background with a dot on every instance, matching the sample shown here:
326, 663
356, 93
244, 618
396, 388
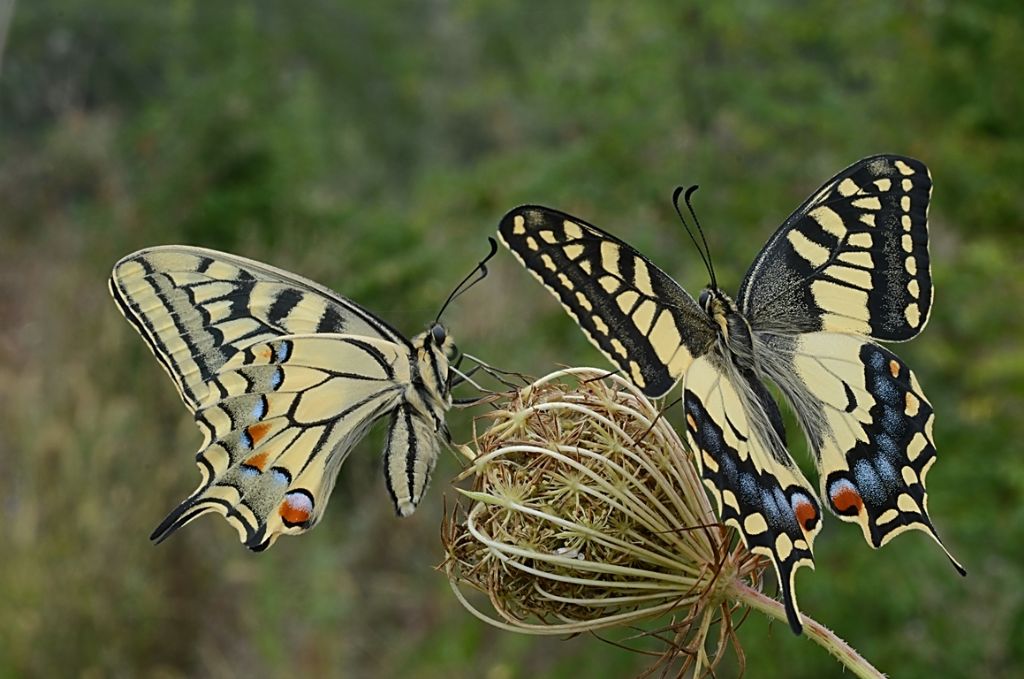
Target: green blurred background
373, 149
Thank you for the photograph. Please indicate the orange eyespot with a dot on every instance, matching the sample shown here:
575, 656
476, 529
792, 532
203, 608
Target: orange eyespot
806, 514
846, 499
296, 508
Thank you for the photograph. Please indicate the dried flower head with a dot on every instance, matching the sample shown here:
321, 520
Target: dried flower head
585, 513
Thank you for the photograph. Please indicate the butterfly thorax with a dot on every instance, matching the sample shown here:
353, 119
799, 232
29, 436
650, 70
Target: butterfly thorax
428, 391
733, 327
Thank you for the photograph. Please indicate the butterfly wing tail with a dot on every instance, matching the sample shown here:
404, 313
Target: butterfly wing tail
178, 517
195, 506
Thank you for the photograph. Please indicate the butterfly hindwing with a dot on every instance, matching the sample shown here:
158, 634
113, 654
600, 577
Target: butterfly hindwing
641, 319
853, 258
870, 424
759, 490
279, 420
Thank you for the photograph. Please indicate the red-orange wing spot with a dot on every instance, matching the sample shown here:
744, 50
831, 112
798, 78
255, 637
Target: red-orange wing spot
257, 431
296, 508
845, 498
894, 368
258, 461
806, 514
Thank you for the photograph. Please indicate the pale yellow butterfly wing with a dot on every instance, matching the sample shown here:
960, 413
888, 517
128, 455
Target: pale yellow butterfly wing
631, 310
740, 451
853, 258
868, 420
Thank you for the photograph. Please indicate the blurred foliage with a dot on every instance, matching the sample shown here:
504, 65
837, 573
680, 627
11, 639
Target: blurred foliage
373, 147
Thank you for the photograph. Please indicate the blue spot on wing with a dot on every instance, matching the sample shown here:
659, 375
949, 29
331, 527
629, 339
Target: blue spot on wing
868, 483
785, 510
886, 471
770, 507
748, 489
885, 389
710, 438
260, 409
284, 351
276, 378
890, 452
728, 467
893, 420
876, 359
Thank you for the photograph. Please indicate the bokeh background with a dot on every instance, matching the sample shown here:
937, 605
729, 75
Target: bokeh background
373, 147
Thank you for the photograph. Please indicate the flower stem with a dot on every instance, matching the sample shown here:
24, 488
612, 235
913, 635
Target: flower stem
814, 630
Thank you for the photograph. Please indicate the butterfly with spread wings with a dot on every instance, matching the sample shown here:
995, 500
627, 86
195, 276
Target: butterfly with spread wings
849, 267
284, 377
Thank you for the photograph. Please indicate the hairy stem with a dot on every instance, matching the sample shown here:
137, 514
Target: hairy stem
814, 630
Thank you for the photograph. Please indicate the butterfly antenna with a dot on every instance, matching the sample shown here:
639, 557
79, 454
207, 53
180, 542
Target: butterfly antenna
689, 231
466, 283
711, 265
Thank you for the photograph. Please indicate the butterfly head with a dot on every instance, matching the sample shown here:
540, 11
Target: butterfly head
437, 336
716, 303
430, 388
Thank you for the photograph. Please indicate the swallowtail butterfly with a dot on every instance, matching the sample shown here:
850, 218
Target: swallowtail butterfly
849, 267
284, 377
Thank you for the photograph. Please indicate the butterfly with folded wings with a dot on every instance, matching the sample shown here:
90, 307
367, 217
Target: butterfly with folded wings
849, 268
284, 378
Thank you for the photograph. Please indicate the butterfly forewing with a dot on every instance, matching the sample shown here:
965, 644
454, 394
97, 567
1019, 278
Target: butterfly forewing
195, 308
853, 258
640, 318
280, 407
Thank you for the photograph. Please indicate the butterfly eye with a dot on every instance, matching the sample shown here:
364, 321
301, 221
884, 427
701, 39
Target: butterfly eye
705, 299
438, 333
